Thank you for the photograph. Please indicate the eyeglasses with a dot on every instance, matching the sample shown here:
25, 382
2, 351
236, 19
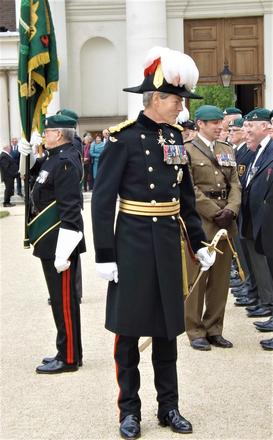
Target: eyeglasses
47, 130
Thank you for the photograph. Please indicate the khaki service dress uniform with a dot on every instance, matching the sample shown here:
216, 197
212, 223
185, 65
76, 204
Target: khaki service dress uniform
216, 186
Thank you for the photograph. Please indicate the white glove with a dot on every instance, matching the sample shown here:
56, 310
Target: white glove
205, 258
36, 139
67, 241
25, 149
61, 264
107, 271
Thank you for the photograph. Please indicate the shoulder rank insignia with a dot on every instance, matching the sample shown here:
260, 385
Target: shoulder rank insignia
122, 125
112, 139
179, 127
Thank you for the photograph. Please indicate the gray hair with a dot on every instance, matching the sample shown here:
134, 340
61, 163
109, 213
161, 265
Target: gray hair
68, 133
147, 97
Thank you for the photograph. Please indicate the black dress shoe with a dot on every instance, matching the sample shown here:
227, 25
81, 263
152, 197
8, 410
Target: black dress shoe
176, 422
245, 301
237, 289
200, 344
241, 293
219, 341
56, 367
130, 427
8, 205
47, 360
267, 344
266, 326
251, 308
260, 312
237, 282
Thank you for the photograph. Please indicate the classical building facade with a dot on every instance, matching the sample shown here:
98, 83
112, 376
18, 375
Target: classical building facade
101, 45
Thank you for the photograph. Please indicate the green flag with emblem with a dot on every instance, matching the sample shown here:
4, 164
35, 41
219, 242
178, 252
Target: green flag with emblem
38, 64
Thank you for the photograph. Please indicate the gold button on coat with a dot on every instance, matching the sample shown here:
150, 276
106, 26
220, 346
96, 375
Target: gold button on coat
147, 152
150, 169
152, 185
154, 219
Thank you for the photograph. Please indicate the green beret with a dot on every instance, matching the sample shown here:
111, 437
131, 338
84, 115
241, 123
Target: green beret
60, 121
258, 114
68, 113
209, 113
239, 122
271, 115
232, 111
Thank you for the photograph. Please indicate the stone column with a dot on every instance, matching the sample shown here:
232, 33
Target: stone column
146, 28
268, 59
4, 119
14, 112
60, 98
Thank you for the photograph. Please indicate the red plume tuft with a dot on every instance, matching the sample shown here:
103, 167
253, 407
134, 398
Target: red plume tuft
152, 68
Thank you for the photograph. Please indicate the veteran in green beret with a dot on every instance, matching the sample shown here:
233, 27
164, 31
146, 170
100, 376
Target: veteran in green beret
218, 198
230, 114
254, 211
56, 232
77, 142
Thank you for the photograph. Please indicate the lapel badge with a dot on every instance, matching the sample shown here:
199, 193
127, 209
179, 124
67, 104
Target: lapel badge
241, 170
113, 139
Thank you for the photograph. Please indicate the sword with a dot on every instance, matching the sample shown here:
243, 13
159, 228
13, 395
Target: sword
211, 247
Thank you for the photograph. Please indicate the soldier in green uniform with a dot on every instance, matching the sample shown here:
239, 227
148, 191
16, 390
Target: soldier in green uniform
145, 163
218, 198
56, 232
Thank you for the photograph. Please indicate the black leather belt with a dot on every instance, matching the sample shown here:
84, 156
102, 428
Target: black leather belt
220, 195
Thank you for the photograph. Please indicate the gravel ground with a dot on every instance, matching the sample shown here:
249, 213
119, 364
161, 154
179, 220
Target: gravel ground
226, 394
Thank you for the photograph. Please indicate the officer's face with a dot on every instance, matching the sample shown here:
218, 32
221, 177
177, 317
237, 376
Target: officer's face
236, 135
256, 131
166, 109
52, 137
210, 129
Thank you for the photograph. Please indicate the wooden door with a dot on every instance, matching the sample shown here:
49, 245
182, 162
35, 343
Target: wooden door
237, 41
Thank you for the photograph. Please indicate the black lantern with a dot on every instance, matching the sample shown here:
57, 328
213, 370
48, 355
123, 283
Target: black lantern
226, 75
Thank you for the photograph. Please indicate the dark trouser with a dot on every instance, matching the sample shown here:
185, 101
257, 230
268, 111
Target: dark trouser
18, 184
270, 265
78, 278
65, 309
86, 168
262, 274
9, 189
164, 356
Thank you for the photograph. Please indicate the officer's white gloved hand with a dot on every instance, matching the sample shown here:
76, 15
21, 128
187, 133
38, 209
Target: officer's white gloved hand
107, 271
36, 139
67, 242
61, 264
25, 149
205, 258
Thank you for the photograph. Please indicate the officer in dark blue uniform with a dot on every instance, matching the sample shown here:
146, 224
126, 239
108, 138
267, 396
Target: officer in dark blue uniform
56, 232
145, 163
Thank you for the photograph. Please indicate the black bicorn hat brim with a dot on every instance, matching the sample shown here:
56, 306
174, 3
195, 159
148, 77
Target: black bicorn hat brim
148, 86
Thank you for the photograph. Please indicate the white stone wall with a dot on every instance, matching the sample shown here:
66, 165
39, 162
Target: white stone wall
101, 45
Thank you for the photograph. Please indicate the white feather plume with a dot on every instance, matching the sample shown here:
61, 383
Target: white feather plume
183, 116
178, 68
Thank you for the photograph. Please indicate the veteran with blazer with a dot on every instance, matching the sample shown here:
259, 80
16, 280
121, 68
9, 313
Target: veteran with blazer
218, 197
56, 232
145, 163
254, 203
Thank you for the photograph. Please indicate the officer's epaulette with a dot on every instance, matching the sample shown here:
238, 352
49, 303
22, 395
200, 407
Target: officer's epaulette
179, 127
122, 125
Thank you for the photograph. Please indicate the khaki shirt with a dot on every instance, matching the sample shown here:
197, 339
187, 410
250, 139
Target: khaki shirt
208, 176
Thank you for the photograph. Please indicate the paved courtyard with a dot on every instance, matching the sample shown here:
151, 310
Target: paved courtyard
226, 394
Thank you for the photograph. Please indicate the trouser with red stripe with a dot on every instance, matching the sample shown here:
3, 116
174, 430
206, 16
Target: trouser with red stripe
66, 310
164, 356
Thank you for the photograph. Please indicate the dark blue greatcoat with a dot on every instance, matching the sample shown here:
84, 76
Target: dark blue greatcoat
148, 299
58, 178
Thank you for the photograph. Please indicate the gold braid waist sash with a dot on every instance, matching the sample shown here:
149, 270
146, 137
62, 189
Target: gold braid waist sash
149, 208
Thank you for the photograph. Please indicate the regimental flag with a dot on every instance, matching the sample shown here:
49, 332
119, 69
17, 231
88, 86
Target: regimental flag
38, 64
